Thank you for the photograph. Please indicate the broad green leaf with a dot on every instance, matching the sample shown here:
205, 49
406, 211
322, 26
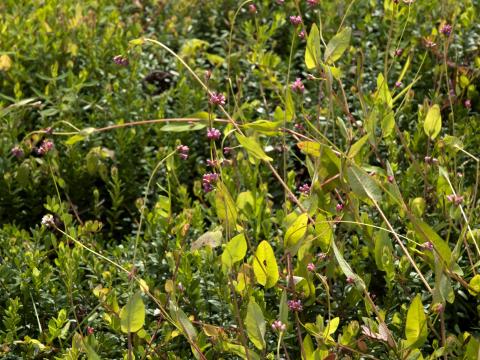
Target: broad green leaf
337, 46
265, 265
433, 122
312, 52
331, 327
264, 126
308, 348
252, 147
416, 326
132, 315
210, 238
91, 354
289, 106
345, 266
226, 209
362, 184
324, 232
296, 231
74, 139
355, 148
182, 321
255, 324
180, 127
310, 148
234, 251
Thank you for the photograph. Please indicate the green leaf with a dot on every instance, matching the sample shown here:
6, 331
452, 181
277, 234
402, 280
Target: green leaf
182, 321
312, 52
132, 315
416, 326
433, 122
181, 127
337, 46
474, 285
324, 232
362, 184
355, 148
265, 265
296, 231
310, 148
383, 96
264, 126
252, 147
234, 251
382, 244
225, 206
346, 269
74, 139
425, 232
283, 308
255, 324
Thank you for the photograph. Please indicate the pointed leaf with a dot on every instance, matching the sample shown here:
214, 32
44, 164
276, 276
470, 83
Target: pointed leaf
337, 45
362, 184
252, 147
416, 326
312, 52
255, 324
226, 209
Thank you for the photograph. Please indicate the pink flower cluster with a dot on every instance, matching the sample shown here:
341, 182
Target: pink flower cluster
298, 86
120, 60
45, 147
217, 99
446, 29
278, 326
17, 152
295, 305
311, 267
183, 151
213, 134
304, 189
208, 180
456, 199
296, 20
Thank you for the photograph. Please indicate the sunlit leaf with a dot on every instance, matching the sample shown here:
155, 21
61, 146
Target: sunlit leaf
296, 231
255, 324
416, 326
132, 315
265, 265
337, 45
234, 251
433, 122
252, 147
312, 52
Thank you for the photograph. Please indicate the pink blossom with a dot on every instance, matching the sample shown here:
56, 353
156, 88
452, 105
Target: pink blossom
296, 20
298, 86
295, 305
213, 134
217, 98
311, 267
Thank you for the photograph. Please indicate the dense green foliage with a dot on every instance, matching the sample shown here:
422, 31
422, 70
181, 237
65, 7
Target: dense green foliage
221, 180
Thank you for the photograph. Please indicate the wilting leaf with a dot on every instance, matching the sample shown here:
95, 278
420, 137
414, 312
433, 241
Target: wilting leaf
210, 238
265, 265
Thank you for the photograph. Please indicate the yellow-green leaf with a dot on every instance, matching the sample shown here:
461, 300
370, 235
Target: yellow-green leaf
226, 209
255, 324
253, 148
312, 52
132, 315
474, 285
265, 265
310, 148
234, 251
416, 326
296, 231
337, 45
362, 184
433, 122
355, 148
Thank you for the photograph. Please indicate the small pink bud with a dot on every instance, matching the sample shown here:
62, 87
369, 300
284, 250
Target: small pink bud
296, 20
311, 267
339, 207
